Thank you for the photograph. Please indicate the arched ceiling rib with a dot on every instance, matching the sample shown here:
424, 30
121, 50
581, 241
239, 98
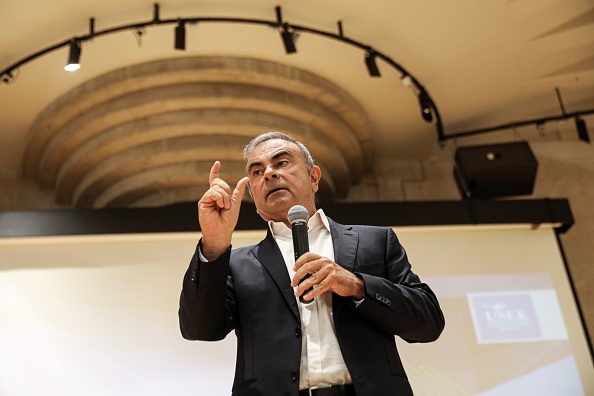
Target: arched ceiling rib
145, 130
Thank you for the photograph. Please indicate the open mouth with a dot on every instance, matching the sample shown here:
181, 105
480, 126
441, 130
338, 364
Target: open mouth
275, 190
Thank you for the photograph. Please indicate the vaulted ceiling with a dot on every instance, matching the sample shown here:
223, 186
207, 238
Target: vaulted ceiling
141, 122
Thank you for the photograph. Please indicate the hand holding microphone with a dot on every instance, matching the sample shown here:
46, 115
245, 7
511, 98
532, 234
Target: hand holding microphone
329, 276
298, 217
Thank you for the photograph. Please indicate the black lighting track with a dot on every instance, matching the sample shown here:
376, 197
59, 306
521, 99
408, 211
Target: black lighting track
6, 75
427, 104
517, 124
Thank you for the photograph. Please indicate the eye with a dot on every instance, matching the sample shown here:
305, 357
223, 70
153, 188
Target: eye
256, 172
282, 162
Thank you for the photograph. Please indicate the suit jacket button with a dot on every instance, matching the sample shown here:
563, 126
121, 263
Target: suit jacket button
294, 376
297, 331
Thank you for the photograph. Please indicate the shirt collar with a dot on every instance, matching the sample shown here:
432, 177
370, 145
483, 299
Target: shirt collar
317, 221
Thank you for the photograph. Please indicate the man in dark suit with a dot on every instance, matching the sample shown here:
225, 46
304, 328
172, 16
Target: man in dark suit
363, 294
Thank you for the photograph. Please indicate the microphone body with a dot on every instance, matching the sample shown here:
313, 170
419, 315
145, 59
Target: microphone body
298, 217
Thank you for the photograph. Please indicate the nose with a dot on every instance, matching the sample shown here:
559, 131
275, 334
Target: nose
270, 173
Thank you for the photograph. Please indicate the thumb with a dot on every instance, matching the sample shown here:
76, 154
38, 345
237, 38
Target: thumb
239, 190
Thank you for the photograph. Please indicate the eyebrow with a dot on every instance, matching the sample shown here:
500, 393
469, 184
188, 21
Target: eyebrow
275, 156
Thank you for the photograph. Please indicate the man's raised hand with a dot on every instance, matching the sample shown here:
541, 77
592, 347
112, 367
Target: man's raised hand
218, 212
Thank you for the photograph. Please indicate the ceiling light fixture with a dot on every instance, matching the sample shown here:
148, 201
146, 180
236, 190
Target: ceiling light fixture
138, 32
582, 129
287, 33
406, 81
180, 36
73, 56
371, 65
425, 104
288, 40
6, 78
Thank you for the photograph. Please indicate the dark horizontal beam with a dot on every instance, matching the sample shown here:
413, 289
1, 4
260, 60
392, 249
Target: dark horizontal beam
183, 217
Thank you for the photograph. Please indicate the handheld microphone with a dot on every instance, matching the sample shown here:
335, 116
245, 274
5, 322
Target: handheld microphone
298, 217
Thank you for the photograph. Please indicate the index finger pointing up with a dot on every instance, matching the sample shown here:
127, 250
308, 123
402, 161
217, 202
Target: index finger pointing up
214, 172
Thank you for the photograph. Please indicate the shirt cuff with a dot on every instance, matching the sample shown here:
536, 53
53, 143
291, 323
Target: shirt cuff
358, 302
200, 255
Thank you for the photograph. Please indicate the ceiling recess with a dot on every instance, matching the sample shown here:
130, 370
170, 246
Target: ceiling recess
148, 134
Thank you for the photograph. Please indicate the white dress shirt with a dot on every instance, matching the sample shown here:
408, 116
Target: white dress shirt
322, 364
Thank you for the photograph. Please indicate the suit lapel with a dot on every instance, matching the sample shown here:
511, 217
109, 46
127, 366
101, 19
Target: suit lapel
345, 241
271, 258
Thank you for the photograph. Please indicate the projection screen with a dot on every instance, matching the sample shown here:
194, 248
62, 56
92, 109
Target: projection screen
97, 315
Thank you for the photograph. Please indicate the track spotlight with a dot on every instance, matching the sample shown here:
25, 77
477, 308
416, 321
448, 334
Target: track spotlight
6, 78
180, 36
582, 129
287, 35
138, 33
371, 65
73, 57
288, 40
425, 104
406, 81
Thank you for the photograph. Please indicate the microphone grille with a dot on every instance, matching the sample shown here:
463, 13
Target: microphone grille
297, 213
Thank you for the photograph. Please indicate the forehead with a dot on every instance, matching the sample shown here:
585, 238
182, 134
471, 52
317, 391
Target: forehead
268, 149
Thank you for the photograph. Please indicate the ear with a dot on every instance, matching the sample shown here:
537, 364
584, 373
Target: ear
315, 174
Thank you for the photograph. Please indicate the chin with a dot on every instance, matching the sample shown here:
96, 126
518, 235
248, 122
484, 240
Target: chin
276, 211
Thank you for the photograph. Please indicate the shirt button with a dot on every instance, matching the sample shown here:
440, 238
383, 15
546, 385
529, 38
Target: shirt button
294, 376
297, 331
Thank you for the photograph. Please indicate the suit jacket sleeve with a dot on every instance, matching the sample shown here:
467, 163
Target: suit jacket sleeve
396, 300
207, 303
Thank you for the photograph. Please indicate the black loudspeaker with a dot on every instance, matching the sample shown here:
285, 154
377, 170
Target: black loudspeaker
496, 170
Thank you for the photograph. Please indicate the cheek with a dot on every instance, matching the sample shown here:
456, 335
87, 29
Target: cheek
255, 189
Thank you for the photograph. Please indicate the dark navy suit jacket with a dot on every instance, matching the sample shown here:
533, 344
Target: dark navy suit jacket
248, 290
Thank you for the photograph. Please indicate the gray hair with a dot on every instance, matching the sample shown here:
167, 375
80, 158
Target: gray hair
278, 135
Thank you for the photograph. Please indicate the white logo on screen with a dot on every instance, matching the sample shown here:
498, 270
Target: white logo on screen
516, 316
504, 316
